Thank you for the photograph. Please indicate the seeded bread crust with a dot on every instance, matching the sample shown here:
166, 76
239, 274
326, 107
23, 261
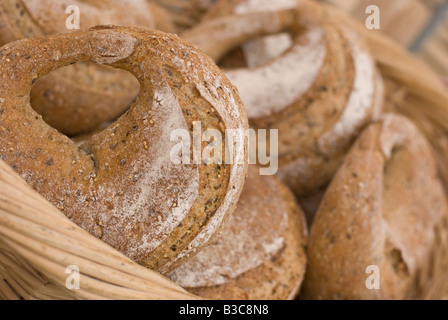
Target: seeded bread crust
121, 185
248, 261
319, 93
382, 209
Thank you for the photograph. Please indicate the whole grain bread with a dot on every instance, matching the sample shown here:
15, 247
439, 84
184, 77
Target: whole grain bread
377, 221
122, 184
259, 255
319, 93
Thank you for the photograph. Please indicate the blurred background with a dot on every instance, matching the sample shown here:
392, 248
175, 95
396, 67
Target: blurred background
419, 25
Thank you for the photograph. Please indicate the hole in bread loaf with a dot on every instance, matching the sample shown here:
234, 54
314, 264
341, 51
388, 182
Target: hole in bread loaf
83, 97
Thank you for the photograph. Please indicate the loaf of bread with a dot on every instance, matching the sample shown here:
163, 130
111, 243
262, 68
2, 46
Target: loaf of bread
122, 184
319, 94
374, 231
259, 255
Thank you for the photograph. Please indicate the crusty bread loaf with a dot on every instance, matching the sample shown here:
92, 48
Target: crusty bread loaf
259, 255
319, 94
380, 210
122, 185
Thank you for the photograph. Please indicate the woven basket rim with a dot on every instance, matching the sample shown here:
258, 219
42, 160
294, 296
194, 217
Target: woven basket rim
49, 243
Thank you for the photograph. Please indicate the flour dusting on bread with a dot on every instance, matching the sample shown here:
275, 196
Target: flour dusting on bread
271, 88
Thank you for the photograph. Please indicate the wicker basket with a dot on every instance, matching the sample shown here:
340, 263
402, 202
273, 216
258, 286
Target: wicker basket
38, 242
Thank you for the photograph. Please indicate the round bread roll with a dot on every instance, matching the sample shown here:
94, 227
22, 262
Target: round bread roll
319, 94
259, 255
79, 98
123, 185
374, 231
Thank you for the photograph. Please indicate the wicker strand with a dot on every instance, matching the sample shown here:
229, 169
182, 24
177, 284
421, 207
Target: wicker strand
6, 293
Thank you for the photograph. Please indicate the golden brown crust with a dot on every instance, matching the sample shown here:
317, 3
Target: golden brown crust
381, 210
261, 252
76, 99
300, 92
121, 185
